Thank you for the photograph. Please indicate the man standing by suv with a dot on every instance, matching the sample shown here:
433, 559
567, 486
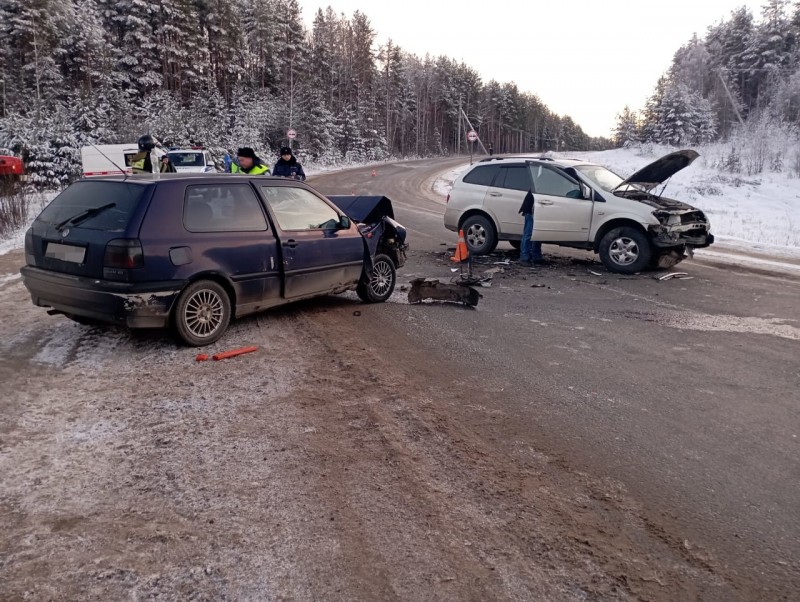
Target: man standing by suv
530, 252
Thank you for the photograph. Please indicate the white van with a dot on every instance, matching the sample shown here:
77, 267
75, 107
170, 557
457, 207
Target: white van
110, 159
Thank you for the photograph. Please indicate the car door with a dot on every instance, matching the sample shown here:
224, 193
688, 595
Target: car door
230, 236
560, 214
504, 198
318, 255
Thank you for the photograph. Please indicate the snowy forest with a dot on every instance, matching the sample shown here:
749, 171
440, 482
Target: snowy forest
212, 73
738, 84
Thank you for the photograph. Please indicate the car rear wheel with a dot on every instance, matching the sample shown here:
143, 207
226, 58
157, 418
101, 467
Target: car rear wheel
202, 313
625, 250
378, 286
480, 235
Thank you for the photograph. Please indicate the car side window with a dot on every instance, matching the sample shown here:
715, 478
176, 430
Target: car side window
551, 182
483, 175
299, 209
516, 178
223, 208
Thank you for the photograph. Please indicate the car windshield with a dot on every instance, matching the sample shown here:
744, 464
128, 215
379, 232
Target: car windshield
604, 178
187, 159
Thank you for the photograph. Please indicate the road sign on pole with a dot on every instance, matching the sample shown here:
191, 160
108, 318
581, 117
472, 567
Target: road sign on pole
472, 136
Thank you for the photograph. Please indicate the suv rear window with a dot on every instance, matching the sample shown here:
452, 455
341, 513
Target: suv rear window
515, 177
483, 175
87, 195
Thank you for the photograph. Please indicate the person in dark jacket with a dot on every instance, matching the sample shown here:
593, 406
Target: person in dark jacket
530, 252
288, 166
249, 163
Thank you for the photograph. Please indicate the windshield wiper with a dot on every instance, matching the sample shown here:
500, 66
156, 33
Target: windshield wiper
83, 216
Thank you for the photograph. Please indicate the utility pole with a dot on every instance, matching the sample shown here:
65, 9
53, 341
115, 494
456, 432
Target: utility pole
472, 128
459, 127
730, 97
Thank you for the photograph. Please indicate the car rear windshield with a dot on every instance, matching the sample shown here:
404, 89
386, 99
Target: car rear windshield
187, 159
87, 195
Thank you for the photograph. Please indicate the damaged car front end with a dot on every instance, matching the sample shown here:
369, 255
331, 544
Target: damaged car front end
374, 216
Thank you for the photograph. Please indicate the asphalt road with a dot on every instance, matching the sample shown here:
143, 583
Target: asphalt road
685, 392
575, 437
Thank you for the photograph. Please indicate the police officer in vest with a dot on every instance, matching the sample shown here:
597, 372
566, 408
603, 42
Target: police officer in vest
249, 163
142, 162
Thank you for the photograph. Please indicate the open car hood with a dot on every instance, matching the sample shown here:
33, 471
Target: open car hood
661, 170
364, 209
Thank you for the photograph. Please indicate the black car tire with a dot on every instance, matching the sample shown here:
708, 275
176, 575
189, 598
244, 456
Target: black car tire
480, 235
625, 250
202, 313
378, 286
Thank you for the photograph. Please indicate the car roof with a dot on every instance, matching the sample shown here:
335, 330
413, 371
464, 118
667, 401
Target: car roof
533, 159
147, 178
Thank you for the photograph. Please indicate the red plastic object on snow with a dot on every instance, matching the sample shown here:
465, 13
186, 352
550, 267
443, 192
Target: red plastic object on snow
233, 353
11, 166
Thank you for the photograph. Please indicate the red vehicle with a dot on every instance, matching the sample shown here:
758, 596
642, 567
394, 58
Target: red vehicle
11, 167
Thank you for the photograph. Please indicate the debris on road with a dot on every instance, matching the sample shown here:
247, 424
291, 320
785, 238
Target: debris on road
423, 288
202, 357
676, 275
233, 353
593, 273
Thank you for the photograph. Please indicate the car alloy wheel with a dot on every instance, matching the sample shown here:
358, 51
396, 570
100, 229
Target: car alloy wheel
382, 277
624, 251
476, 236
202, 313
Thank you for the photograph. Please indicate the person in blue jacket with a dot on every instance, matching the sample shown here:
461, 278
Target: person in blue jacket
288, 166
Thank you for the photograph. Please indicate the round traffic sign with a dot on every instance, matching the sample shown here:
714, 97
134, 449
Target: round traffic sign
472, 135
291, 134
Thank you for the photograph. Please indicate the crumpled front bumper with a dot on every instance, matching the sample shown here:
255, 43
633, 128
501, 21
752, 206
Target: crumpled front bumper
695, 236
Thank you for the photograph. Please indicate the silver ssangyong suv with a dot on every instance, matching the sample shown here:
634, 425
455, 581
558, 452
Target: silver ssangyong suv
580, 205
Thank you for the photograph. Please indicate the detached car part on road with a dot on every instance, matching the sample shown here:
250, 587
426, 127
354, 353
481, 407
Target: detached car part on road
580, 205
195, 251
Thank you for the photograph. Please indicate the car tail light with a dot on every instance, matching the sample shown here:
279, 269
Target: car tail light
122, 255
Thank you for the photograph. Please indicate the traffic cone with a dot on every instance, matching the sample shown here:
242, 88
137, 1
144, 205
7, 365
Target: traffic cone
462, 253
374, 173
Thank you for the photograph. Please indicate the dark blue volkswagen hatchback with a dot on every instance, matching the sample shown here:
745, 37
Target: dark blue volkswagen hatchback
194, 251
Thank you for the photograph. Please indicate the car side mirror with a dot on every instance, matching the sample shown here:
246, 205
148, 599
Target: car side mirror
586, 192
344, 222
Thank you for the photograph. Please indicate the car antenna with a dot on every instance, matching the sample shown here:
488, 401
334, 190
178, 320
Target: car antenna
124, 173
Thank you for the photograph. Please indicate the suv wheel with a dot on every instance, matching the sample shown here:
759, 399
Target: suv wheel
480, 235
625, 250
202, 313
378, 286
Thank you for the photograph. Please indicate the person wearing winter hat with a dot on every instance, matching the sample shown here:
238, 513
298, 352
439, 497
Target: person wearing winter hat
288, 166
249, 163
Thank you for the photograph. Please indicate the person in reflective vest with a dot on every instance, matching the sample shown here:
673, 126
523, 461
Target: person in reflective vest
141, 161
249, 163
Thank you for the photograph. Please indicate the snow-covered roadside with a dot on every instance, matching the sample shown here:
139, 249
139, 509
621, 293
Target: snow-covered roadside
16, 240
444, 183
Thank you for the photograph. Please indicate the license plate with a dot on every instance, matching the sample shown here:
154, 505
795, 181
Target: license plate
69, 253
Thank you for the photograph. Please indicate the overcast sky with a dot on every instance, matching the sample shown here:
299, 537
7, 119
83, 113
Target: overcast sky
584, 58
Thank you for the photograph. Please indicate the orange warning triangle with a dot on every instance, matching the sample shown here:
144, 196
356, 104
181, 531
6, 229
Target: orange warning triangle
462, 253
